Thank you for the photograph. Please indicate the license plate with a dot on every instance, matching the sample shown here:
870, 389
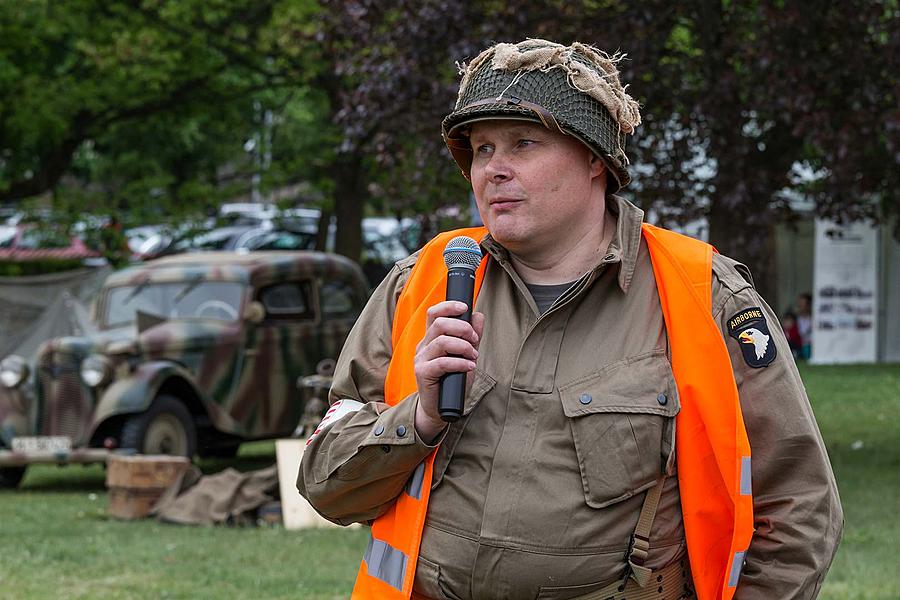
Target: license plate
42, 443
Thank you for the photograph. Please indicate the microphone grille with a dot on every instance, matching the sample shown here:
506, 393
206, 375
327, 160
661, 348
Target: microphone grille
462, 251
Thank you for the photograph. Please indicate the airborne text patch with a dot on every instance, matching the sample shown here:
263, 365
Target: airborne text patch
750, 329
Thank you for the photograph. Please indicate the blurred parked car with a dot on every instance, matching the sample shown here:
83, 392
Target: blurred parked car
33, 242
280, 240
221, 238
268, 216
195, 352
147, 242
245, 239
247, 213
385, 241
388, 240
262, 226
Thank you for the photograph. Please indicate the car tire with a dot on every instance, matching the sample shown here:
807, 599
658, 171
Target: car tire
10, 477
165, 428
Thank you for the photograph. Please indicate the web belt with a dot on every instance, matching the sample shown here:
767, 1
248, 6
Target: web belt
672, 583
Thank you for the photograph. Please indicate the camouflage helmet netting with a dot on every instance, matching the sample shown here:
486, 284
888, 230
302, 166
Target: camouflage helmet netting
575, 88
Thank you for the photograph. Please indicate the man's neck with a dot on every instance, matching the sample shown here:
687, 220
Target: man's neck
564, 263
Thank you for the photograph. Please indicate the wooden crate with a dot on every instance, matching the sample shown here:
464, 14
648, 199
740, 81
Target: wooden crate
136, 482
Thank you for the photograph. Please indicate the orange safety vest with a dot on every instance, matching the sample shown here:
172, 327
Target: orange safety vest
713, 452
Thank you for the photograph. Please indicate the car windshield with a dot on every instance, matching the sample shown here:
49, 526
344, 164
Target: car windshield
189, 299
283, 240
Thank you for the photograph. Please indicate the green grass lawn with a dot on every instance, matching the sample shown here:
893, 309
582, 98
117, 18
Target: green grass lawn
857, 409
56, 540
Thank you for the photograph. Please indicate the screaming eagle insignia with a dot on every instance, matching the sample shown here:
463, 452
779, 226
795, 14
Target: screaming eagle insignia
750, 329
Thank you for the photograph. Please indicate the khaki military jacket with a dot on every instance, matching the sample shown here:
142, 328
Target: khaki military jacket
537, 489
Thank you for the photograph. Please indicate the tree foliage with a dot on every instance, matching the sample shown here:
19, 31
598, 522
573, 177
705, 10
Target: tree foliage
150, 103
774, 97
145, 104
743, 103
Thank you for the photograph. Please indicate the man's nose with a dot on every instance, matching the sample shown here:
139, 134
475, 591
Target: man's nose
498, 167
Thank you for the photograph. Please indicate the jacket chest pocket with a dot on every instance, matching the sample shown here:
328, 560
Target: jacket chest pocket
623, 424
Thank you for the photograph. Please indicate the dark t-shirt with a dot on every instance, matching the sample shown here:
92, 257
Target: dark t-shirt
545, 295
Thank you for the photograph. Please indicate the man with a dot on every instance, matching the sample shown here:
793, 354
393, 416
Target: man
602, 452
803, 307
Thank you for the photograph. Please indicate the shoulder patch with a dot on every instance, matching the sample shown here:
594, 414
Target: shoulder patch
751, 330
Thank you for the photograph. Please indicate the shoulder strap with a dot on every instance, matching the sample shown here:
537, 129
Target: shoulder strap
640, 539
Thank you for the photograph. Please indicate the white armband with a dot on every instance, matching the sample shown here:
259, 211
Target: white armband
335, 412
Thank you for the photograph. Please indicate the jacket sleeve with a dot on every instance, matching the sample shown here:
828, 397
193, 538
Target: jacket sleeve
353, 470
798, 518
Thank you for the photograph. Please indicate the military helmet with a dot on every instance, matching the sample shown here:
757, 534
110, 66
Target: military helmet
571, 89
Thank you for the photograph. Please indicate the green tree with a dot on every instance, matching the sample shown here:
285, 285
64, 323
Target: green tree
143, 105
146, 106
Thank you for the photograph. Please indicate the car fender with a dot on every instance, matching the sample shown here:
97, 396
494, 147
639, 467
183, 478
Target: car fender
15, 417
133, 394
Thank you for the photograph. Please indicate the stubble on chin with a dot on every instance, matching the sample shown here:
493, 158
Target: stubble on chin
509, 235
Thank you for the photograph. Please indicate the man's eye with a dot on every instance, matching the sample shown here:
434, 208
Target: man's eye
524, 142
484, 149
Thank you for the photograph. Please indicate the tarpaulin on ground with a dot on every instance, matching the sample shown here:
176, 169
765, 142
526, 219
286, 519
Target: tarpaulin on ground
227, 497
36, 308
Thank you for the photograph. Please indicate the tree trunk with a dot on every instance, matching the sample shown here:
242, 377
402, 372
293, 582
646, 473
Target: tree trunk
322, 230
349, 200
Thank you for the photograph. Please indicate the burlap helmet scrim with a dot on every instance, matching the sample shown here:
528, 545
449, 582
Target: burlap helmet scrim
572, 89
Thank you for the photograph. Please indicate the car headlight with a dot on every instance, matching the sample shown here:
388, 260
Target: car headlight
13, 371
95, 370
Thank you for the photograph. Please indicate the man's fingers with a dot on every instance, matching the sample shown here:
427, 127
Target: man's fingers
447, 308
448, 345
434, 369
450, 326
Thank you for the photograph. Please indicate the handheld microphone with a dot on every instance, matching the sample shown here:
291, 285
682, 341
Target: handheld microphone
462, 256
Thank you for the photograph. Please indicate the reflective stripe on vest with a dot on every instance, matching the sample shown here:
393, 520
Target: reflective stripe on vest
385, 562
712, 449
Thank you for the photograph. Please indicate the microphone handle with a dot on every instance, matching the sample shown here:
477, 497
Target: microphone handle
452, 393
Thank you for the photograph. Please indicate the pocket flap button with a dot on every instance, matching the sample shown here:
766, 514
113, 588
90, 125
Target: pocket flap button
662, 399
585, 399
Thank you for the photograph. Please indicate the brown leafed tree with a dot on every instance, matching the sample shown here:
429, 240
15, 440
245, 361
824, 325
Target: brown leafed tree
742, 102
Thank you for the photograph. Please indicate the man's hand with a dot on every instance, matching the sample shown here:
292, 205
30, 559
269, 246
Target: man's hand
449, 346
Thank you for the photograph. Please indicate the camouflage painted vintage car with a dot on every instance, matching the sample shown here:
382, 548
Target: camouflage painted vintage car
194, 352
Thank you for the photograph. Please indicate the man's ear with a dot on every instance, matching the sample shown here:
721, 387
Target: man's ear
598, 167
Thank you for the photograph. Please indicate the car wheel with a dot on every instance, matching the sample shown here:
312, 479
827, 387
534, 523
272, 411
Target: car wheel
165, 428
10, 477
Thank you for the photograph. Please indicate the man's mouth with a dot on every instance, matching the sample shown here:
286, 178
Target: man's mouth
503, 203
